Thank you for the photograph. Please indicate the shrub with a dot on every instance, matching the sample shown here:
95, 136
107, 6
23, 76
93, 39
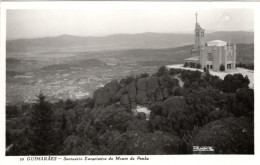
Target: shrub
144, 75
69, 104
205, 69
233, 82
192, 65
222, 67
90, 102
12, 111
177, 91
174, 71
194, 85
162, 70
156, 109
244, 105
198, 66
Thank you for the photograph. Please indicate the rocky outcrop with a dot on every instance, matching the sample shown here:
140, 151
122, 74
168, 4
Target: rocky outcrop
141, 97
151, 84
112, 87
158, 94
132, 91
132, 94
166, 93
97, 93
228, 136
164, 80
142, 91
141, 84
124, 100
103, 96
119, 94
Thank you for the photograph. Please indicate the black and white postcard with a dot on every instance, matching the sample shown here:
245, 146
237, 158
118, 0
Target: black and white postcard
129, 82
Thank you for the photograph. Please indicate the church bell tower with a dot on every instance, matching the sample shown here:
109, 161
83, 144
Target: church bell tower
199, 36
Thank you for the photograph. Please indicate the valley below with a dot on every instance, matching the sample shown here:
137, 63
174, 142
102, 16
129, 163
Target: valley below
74, 75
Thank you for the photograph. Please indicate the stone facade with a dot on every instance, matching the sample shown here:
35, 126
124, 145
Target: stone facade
212, 54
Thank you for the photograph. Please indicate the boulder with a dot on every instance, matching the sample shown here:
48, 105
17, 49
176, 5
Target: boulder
133, 104
141, 97
97, 92
166, 93
119, 94
132, 91
151, 84
104, 96
164, 80
141, 84
112, 87
139, 143
125, 100
158, 94
230, 135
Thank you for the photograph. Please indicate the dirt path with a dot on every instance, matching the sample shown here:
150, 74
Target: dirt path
181, 83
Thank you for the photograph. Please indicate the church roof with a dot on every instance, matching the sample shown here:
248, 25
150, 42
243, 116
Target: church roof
195, 58
217, 43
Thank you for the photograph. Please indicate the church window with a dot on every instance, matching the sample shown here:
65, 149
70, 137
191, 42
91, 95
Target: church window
210, 57
202, 34
197, 34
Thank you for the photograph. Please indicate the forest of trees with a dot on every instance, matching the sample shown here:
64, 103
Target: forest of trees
78, 127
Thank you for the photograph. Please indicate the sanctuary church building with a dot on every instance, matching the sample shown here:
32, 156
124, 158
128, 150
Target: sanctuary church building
215, 55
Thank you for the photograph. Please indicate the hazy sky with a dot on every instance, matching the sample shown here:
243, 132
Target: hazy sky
97, 22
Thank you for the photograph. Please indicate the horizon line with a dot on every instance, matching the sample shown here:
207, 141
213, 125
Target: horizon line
107, 35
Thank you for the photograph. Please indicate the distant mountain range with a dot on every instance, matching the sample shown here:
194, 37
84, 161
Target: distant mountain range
119, 41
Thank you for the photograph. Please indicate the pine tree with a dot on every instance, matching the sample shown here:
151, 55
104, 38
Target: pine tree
41, 127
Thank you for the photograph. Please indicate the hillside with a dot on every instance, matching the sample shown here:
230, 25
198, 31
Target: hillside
245, 53
69, 43
206, 111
